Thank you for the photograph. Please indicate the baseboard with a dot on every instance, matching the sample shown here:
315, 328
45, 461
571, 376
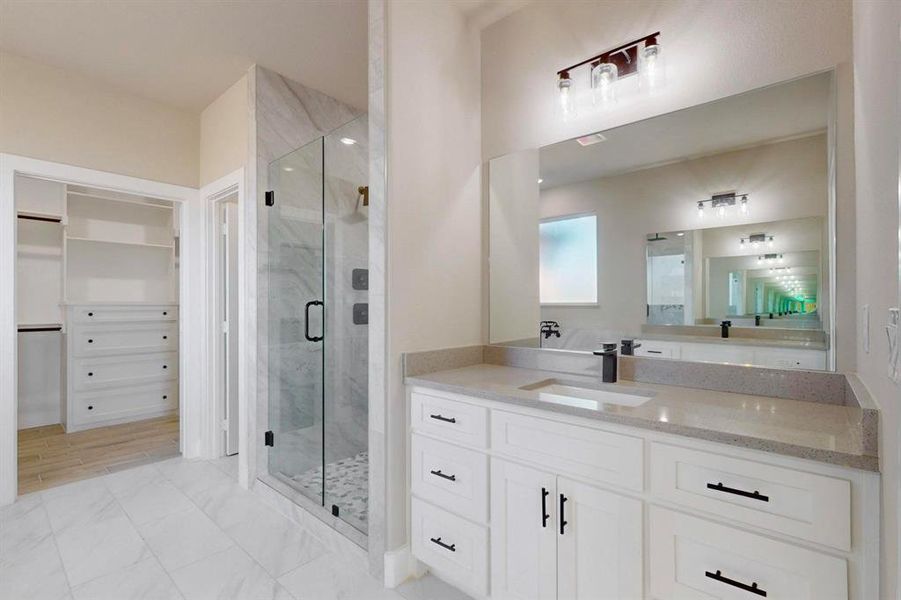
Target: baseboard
400, 565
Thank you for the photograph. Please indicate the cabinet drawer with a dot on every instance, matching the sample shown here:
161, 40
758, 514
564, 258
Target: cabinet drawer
114, 313
653, 349
693, 558
449, 419
96, 340
98, 373
454, 548
569, 449
451, 477
790, 359
123, 404
805, 505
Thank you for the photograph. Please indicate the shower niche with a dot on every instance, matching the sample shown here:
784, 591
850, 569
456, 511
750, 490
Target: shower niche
317, 317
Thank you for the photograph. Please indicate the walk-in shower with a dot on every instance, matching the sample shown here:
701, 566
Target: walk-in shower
317, 349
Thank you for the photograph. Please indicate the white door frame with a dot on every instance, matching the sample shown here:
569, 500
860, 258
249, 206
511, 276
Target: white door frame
192, 304
211, 196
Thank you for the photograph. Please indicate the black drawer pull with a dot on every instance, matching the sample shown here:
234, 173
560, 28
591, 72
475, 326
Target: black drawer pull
165, 367
165, 397
91, 407
443, 418
755, 495
563, 522
438, 473
90, 314
90, 341
544, 515
718, 576
452, 547
165, 337
165, 313
654, 351
90, 374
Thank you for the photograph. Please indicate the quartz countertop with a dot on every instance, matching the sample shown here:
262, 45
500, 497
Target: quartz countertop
735, 341
822, 432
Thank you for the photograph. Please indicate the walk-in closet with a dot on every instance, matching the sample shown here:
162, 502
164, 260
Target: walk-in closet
97, 312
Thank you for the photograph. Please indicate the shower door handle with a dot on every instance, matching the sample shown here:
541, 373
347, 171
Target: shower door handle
306, 321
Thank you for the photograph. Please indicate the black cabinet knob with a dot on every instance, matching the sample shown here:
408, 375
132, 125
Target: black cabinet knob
90, 374
91, 407
90, 341
90, 314
165, 337
165, 313
165, 397
165, 367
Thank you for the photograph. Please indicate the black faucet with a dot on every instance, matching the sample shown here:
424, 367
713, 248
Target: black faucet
549, 328
628, 347
724, 328
608, 366
756, 320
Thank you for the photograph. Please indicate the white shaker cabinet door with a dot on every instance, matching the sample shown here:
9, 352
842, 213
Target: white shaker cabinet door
523, 533
599, 548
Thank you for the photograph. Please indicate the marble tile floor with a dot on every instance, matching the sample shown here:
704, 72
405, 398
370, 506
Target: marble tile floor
175, 529
48, 456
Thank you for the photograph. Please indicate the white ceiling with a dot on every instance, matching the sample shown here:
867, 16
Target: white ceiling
776, 112
185, 53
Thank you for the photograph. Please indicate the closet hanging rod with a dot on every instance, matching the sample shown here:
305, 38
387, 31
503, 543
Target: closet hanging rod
40, 218
27, 329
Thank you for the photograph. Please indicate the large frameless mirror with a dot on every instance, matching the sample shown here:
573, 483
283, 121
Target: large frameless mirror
703, 234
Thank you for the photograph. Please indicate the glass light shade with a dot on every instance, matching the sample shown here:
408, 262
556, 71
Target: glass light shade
743, 205
565, 93
700, 210
651, 68
603, 83
721, 211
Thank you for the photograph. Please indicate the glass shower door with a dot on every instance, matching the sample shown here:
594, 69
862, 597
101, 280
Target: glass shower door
296, 319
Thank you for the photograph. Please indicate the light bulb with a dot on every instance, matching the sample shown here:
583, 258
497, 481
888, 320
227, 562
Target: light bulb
603, 83
721, 211
770, 242
743, 205
651, 67
700, 210
741, 244
565, 92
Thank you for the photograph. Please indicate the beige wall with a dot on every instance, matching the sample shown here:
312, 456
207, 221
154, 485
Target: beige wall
61, 116
877, 124
434, 237
223, 133
634, 205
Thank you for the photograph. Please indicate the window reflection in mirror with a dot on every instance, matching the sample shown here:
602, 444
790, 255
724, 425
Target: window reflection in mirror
601, 236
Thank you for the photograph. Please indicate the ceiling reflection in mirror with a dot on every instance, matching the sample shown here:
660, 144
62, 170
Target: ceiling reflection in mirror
701, 234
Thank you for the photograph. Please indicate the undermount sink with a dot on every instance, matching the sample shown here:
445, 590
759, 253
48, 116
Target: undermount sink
585, 395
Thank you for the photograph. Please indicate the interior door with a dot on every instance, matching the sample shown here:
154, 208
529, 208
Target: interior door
599, 549
523, 532
230, 329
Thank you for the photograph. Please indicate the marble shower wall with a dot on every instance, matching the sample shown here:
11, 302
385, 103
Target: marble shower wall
288, 116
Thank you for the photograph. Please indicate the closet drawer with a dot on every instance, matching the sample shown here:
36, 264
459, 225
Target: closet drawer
96, 340
453, 547
803, 505
693, 558
450, 476
450, 420
114, 313
123, 405
98, 373
569, 449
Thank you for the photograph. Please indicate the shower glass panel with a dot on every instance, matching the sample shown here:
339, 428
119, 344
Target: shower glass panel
318, 319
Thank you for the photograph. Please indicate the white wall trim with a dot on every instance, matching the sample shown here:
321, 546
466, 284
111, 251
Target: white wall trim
213, 447
192, 308
400, 565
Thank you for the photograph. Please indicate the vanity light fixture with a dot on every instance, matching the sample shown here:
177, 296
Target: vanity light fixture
721, 202
771, 258
348, 141
287, 169
756, 240
643, 57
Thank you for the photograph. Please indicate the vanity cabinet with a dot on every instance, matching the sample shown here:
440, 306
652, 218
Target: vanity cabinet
511, 502
738, 354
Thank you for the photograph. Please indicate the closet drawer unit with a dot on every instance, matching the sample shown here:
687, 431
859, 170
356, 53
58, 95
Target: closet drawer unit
569, 449
119, 313
450, 476
450, 420
96, 340
123, 405
453, 547
99, 373
693, 558
796, 503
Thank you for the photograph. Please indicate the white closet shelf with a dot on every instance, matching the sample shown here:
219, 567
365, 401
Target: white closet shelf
23, 327
122, 242
124, 200
49, 218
